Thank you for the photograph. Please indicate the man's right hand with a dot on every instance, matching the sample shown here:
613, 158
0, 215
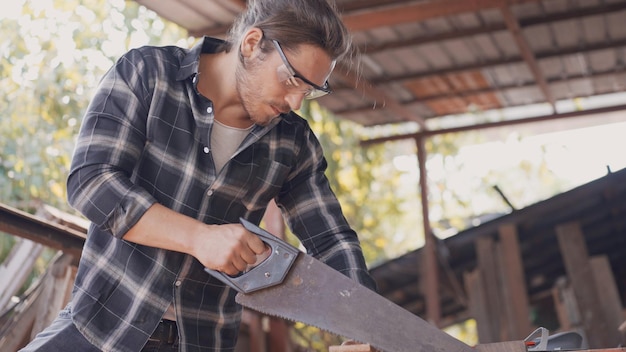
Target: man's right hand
228, 248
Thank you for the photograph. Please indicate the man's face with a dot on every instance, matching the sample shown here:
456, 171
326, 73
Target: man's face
266, 87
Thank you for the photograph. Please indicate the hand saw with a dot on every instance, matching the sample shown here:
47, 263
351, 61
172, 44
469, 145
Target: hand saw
293, 285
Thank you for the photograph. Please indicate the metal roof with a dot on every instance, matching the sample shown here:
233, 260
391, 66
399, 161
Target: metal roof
424, 60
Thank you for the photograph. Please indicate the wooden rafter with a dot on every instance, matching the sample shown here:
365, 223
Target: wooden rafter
527, 53
380, 17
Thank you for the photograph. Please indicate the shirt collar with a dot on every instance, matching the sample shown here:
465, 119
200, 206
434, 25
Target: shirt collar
189, 65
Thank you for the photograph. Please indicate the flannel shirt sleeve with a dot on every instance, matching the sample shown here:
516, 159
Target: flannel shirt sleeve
314, 214
110, 141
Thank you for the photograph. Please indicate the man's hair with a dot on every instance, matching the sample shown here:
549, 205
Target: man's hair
294, 22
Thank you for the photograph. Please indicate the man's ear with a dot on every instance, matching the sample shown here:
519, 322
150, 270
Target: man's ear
250, 42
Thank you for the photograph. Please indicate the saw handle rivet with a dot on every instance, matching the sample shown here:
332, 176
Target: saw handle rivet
267, 274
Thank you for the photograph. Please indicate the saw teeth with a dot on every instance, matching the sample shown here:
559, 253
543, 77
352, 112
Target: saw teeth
313, 325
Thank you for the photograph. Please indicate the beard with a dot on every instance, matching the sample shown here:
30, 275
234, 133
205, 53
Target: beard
250, 92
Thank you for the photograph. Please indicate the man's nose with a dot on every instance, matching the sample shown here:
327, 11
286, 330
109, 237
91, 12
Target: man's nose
294, 100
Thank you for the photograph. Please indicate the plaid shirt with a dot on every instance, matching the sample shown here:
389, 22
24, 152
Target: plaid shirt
145, 139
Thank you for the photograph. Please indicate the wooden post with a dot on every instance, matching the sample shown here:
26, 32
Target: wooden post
511, 346
488, 267
478, 304
514, 295
55, 292
579, 270
608, 294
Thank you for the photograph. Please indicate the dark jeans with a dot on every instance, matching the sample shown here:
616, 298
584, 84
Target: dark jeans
63, 336
60, 336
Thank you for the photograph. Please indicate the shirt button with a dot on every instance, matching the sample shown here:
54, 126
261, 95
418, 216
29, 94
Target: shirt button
206, 150
209, 193
209, 109
178, 283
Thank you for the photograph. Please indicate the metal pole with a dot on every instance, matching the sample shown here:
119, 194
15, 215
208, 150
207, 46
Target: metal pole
430, 269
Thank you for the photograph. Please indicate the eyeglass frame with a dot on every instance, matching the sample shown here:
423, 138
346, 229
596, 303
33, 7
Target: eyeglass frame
292, 71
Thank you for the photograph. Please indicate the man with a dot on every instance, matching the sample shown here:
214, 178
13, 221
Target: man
175, 147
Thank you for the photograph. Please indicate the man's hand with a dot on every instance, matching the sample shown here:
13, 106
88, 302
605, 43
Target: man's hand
228, 248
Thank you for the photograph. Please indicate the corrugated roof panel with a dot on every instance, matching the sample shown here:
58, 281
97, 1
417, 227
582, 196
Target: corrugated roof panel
491, 16
411, 30
523, 95
511, 74
575, 65
410, 59
459, 51
398, 91
539, 38
468, 80
551, 67
527, 10
610, 83
567, 33
506, 43
337, 100
484, 101
427, 87
602, 60
486, 47
382, 35
617, 24
178, 13
420, 109
436, 25
556, 6
446, 106
465, 21
434, 56
391, 63
571, 89
594, 29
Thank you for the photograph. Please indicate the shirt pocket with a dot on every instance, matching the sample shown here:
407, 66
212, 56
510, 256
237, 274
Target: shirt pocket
265, 180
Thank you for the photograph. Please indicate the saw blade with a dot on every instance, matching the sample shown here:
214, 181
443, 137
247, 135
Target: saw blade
315, 294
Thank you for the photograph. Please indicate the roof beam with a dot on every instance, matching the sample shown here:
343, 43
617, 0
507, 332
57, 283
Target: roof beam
377, 17
494, 124
527, 53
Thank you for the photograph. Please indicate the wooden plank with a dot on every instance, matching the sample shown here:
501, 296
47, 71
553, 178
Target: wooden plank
351, 348
511, 346
16, 268
478, 304
488, 266
575, 256
19, 223
565, 305
394, 15
515, 297
608, 294
55, 292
